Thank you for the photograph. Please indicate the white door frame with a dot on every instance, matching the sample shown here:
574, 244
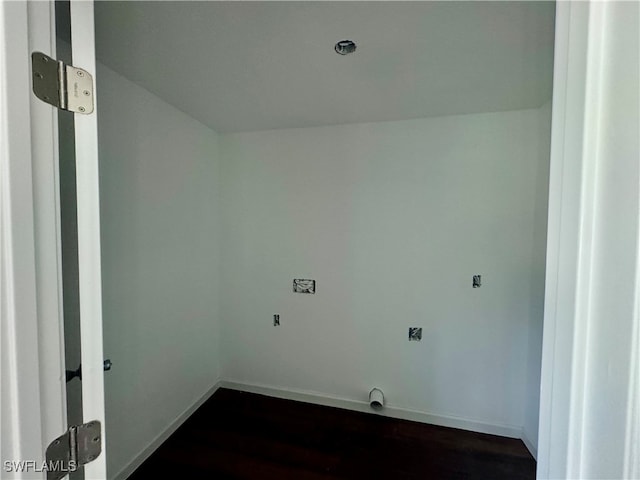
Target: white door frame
22, 421
33, 397
578, 249
570, 250
568, 240
88, 227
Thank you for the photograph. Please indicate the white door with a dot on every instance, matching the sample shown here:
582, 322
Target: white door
34, 412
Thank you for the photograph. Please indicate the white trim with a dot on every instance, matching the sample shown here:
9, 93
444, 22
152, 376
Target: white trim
88, 218
164, 435
529, 444
21, 428
632, 440
511, 431
588, 134
48, 252
631, 466
565, 245
576, 202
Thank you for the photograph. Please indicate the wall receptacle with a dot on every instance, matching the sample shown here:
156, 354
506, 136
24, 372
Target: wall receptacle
302, 285
276, 320
477, 281
415, 334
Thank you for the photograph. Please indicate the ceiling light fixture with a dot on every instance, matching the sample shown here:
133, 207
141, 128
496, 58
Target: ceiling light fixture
345, 47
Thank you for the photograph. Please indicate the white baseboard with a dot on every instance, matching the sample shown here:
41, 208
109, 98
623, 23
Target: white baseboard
529, 444
510, 431
156, 442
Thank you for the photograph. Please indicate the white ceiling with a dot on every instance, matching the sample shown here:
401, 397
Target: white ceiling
241, 66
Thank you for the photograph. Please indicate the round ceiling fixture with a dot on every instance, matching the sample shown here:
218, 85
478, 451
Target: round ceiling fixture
345, 47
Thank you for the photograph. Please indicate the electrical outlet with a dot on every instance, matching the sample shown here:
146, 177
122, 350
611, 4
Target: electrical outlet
276, 320
415, 334
301, 285
477, 281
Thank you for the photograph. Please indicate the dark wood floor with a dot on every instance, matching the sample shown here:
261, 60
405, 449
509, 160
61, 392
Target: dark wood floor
243, 435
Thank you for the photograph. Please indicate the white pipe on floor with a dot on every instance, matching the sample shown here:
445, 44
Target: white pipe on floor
376, 399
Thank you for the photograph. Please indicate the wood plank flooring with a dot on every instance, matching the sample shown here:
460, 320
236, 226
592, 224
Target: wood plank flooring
237, 435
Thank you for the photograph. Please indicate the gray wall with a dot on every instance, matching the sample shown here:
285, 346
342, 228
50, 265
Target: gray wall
160, 254
203, 233
392, 219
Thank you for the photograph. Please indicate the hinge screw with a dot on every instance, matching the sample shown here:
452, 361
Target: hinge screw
81, 109
87, 92
80, 73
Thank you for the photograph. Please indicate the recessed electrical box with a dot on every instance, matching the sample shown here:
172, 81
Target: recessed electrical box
276, 320
415, 334
477, 281
345, 47
301, 285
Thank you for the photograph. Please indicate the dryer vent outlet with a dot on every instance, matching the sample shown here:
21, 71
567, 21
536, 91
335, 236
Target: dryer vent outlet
376, 399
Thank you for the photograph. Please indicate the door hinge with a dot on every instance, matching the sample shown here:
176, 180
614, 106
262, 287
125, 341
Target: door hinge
63, 86
78, 446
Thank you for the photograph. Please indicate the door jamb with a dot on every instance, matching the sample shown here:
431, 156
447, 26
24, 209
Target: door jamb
574, 203
33, 394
